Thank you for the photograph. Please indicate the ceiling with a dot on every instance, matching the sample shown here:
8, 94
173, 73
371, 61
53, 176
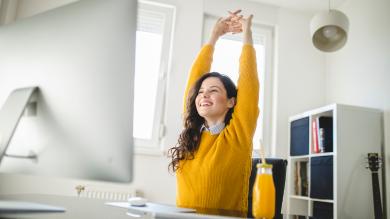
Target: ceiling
304, 5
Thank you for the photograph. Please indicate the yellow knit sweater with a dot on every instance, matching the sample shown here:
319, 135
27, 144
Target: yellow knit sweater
218, 176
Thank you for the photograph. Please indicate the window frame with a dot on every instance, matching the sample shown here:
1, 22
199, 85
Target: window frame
152, 146
267, 80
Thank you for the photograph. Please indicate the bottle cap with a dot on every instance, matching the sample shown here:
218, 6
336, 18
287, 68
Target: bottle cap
265, 165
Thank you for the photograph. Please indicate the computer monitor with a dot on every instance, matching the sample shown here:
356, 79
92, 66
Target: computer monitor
81, 58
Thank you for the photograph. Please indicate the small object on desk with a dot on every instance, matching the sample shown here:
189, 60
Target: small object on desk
137, 201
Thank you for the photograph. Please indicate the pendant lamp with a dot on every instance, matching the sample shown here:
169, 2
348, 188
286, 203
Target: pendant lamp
329, 30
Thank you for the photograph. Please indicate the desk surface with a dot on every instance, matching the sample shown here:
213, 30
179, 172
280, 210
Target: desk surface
84, 208
75, 207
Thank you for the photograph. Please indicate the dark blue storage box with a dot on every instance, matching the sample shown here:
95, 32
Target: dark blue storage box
322, 210
321, 177
299, 137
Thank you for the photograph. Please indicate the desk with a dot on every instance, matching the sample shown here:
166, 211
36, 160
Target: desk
77, 207
83, 208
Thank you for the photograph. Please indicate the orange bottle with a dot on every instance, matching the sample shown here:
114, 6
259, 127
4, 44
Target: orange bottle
264, 193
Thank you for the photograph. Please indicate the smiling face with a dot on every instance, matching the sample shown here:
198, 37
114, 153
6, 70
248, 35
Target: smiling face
212, 102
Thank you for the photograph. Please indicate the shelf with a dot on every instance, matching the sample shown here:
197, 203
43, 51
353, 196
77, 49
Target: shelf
325, 113
305, 157
300, 157
311, 199
349, 133
300, 197
322, 154
321, 200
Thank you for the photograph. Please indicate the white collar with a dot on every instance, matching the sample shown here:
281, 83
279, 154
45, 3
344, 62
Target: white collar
215, 129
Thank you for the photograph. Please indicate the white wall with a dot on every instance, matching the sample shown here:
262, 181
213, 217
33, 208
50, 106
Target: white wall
359, 74
299, 85
28, 8
301, 73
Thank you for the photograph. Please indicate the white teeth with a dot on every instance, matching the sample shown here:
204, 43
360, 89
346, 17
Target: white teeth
205, 104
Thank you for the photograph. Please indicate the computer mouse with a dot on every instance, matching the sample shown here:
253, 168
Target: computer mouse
137, 201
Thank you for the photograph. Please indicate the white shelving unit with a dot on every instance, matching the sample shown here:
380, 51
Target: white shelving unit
357, 131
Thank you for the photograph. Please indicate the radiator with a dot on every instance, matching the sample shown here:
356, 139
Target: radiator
107, 193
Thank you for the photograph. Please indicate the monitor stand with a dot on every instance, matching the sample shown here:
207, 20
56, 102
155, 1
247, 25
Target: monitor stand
17, 207
10, 114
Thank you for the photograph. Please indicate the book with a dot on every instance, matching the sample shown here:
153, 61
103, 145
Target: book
318, 135
297, 179
301, 178
321, 140
304, 178
325, 137
314, 132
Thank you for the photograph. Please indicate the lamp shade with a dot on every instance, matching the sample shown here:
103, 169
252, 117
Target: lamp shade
329, 30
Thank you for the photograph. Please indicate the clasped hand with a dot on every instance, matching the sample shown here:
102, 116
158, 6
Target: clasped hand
234, 23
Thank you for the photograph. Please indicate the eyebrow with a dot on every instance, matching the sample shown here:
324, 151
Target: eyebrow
214, 86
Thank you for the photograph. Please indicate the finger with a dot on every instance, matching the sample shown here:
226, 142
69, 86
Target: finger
236, 29
235, 12
249, 20
243, 20
250, 17
219, 19
227, 19
235, 23
231, 15
237, 18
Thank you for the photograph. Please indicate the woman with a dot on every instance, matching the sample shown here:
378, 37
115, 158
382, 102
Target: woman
212, 158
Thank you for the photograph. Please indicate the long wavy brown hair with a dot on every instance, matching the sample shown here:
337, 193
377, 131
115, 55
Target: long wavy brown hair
189, 138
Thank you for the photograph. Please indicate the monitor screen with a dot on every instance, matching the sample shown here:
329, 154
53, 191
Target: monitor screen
81, 58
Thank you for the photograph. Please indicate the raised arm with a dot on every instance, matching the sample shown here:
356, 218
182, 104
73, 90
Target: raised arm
246, 111
200, 66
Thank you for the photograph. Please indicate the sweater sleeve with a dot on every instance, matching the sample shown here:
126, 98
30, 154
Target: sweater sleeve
201, 65
242, 126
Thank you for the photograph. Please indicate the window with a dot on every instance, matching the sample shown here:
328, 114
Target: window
154, 27
226, 61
